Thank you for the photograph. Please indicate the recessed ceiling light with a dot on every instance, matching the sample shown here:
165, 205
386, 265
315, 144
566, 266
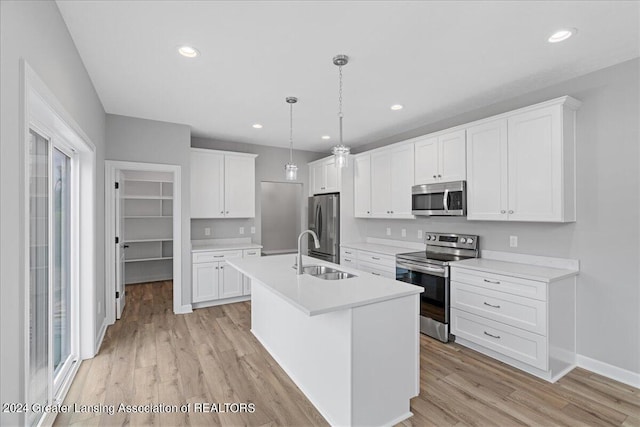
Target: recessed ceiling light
326, 137
257, 126
188, 51
397, 107
561, 35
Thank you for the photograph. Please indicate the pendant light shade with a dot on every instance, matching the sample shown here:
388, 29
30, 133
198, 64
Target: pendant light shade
340, 151
290, 169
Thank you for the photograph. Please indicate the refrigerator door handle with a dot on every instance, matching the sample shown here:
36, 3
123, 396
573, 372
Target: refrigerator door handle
319, 222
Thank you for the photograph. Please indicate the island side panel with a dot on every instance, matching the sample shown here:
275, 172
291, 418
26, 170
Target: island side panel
315, 351
386, 361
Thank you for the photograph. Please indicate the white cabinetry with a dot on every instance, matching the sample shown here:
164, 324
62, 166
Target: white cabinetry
527, 323
324, 176
215, 280
440, 158
521, 166
371, 262
222, 184
382, 183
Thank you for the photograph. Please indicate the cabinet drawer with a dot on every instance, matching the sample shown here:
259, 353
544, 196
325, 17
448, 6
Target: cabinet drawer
250, 252
524, 313
376, 270
498, 282
348, 253
215, 256
381, 261
520, 345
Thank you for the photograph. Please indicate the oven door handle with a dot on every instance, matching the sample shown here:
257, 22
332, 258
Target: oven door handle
445, 200
422, 268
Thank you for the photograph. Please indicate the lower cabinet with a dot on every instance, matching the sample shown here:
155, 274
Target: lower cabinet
371, 262
215, 280
529, 324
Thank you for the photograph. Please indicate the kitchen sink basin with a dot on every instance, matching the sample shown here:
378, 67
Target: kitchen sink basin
326, 273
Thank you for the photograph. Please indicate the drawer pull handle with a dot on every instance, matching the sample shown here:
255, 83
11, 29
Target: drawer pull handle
347, 259
251, 253
375, 274
491, 305
347, 252
218, 256
495, 282
376, 258
492, 336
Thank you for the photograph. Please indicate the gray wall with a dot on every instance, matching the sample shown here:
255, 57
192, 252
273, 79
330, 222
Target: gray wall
269, 167
35, 31
281, 210
605, 237
149, 141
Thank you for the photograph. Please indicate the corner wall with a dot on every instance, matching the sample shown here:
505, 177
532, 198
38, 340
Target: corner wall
606, 236
36, 32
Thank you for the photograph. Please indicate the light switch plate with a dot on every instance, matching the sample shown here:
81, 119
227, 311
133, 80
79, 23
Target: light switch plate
513, 241
253, 230
207, 231
419, 234
404, 232
241, 230
388, 231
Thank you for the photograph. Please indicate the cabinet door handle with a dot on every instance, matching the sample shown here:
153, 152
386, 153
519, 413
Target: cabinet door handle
492, 336
439, 176
218, 256
367, 212
216, 268
434, 176
495, 282
391, 212
375, 274
251, 253
222, 212
503, 211
376, 258
227, 212
510, 211
349, 253
491, 305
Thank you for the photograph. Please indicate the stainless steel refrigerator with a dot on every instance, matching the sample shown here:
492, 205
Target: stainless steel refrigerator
324, 219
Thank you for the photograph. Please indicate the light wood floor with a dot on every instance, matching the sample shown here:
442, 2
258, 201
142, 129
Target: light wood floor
154, 356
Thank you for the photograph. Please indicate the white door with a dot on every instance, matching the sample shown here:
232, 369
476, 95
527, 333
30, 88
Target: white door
207, 184
452, 157
426, 161
401, 181
205, 281
231, 284
362, 186
120, 246
535, 165
487, 171
380, 185
239, 186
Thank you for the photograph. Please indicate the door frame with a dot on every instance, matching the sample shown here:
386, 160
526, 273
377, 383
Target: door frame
110, 168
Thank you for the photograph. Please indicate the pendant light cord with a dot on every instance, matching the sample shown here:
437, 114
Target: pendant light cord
340, 115
290, 133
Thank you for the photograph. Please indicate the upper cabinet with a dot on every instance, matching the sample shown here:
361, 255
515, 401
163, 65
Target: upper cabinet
324, 176
521, 166
382, 183
440, 158
222, 184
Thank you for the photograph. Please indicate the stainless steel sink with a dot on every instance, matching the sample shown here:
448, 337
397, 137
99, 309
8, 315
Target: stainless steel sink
335, 275
326, 273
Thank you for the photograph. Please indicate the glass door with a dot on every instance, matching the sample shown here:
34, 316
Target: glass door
52, 351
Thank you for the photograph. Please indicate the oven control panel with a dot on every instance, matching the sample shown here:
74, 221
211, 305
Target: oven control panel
452, 240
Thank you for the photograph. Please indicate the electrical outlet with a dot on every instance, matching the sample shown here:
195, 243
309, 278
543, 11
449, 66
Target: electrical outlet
403, 232
419, 234
513, 241
207, 231
253, 230
388, 231
241, 230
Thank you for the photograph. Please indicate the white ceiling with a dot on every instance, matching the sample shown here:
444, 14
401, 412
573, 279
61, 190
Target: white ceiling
437, 58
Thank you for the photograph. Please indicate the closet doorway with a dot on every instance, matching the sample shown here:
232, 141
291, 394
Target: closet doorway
143, 229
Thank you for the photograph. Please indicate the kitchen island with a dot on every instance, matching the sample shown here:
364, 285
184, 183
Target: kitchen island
351, 345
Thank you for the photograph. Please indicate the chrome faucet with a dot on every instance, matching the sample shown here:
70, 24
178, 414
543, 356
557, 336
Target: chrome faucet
315, 241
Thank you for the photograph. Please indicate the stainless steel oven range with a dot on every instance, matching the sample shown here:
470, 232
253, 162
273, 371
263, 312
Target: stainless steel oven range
430, 269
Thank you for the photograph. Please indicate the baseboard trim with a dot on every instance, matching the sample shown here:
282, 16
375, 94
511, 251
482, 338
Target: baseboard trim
185, 309
609, 371
101, 334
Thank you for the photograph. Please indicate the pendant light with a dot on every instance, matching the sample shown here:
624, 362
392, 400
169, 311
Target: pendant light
290, 169
340, 151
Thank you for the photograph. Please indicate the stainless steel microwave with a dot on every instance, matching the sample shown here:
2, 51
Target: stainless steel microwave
441, 199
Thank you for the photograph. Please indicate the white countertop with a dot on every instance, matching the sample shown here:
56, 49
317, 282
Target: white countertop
516, 269
378, 248
316, 296
222, 245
